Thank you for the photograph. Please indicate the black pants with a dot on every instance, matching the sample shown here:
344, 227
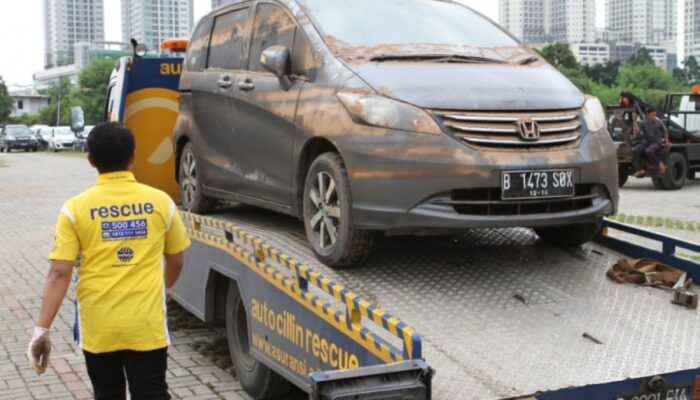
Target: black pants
648, 150
145, 372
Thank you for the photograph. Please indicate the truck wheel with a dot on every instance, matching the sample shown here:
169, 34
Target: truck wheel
622, 179
676, 172
328, 215
658, 183
573, 235
258, 380
191, 192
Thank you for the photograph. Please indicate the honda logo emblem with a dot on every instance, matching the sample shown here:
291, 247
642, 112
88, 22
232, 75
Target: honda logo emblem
529, 131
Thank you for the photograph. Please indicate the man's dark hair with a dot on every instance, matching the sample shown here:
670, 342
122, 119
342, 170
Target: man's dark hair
110, 147
651, 110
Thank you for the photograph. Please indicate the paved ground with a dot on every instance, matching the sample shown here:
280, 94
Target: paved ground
33, 186
639, 197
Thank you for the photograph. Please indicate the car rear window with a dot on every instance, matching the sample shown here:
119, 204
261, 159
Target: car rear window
228, 39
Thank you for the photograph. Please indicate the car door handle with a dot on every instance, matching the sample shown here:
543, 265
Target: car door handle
224, 82
246, 85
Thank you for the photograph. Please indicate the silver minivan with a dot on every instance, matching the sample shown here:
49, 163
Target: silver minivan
396, 117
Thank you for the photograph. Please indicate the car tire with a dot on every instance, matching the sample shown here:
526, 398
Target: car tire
573, 235
191, 191
339, 245
676, 172
622, 179
255, 377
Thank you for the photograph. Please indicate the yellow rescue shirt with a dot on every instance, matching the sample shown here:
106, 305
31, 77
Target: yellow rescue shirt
121, 229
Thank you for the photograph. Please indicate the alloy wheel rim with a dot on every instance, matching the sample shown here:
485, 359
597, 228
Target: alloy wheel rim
189, 179
325, 211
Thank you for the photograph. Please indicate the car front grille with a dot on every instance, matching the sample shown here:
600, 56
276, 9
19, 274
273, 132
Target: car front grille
488, 202
504, 129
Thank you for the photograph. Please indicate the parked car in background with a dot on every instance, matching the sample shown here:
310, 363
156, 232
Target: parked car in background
18, 137
41, 140
62, 138
313, 109
81, 139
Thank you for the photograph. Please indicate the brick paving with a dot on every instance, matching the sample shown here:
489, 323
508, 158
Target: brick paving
33, 187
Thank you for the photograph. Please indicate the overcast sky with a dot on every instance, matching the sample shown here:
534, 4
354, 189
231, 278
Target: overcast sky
22, 32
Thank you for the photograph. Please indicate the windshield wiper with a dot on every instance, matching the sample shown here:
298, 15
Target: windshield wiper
441, 58
528, 60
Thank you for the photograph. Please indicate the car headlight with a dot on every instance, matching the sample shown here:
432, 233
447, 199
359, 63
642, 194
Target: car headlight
384, 112
594, 113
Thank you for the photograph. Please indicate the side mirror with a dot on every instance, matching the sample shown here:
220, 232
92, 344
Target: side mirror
277, 60
77, 119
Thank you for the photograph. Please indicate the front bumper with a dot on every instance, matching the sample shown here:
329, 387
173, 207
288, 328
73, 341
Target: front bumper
21, 145
63, 145
400, 182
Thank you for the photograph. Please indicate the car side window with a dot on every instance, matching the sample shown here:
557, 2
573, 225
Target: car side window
228, 40
273, 26
197, 52
302, 56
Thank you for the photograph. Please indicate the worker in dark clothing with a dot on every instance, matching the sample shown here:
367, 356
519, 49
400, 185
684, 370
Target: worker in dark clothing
653, 134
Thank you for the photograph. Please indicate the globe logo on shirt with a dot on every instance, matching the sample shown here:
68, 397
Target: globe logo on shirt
125, 254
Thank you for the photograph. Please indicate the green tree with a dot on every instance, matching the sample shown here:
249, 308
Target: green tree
93, 81
692, 70
27, 119
62, 96
560, 55
642, 57
6, 102
605, 74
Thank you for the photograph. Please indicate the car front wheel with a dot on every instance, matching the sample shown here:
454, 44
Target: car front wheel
328, 215
573, 235
191, 192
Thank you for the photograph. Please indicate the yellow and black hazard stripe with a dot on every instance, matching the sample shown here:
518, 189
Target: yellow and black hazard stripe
348, 322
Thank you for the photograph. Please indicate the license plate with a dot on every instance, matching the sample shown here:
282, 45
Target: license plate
519, 185
680, 393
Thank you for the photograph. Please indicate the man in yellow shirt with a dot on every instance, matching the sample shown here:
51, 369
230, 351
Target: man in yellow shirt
130, 239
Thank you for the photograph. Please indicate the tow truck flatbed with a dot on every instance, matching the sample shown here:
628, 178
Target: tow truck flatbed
497, 313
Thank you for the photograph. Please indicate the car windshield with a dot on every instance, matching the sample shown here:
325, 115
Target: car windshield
18, 131
63, 132
370, 29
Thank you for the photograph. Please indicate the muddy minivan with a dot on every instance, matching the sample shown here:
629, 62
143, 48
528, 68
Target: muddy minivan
395, 116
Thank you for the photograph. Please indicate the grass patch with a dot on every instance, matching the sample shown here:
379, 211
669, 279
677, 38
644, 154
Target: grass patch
692, 257
69, 153
657, 222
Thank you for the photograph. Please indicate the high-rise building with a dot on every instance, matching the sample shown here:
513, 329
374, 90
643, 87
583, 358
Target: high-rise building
524, 18
648, 22
67, 22
571, 21
692, 28
218, 3
152, 21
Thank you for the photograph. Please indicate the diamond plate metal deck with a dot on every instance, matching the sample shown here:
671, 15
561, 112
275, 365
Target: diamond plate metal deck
502, 314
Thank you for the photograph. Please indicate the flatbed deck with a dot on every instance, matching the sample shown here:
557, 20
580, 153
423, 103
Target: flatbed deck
503, 315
